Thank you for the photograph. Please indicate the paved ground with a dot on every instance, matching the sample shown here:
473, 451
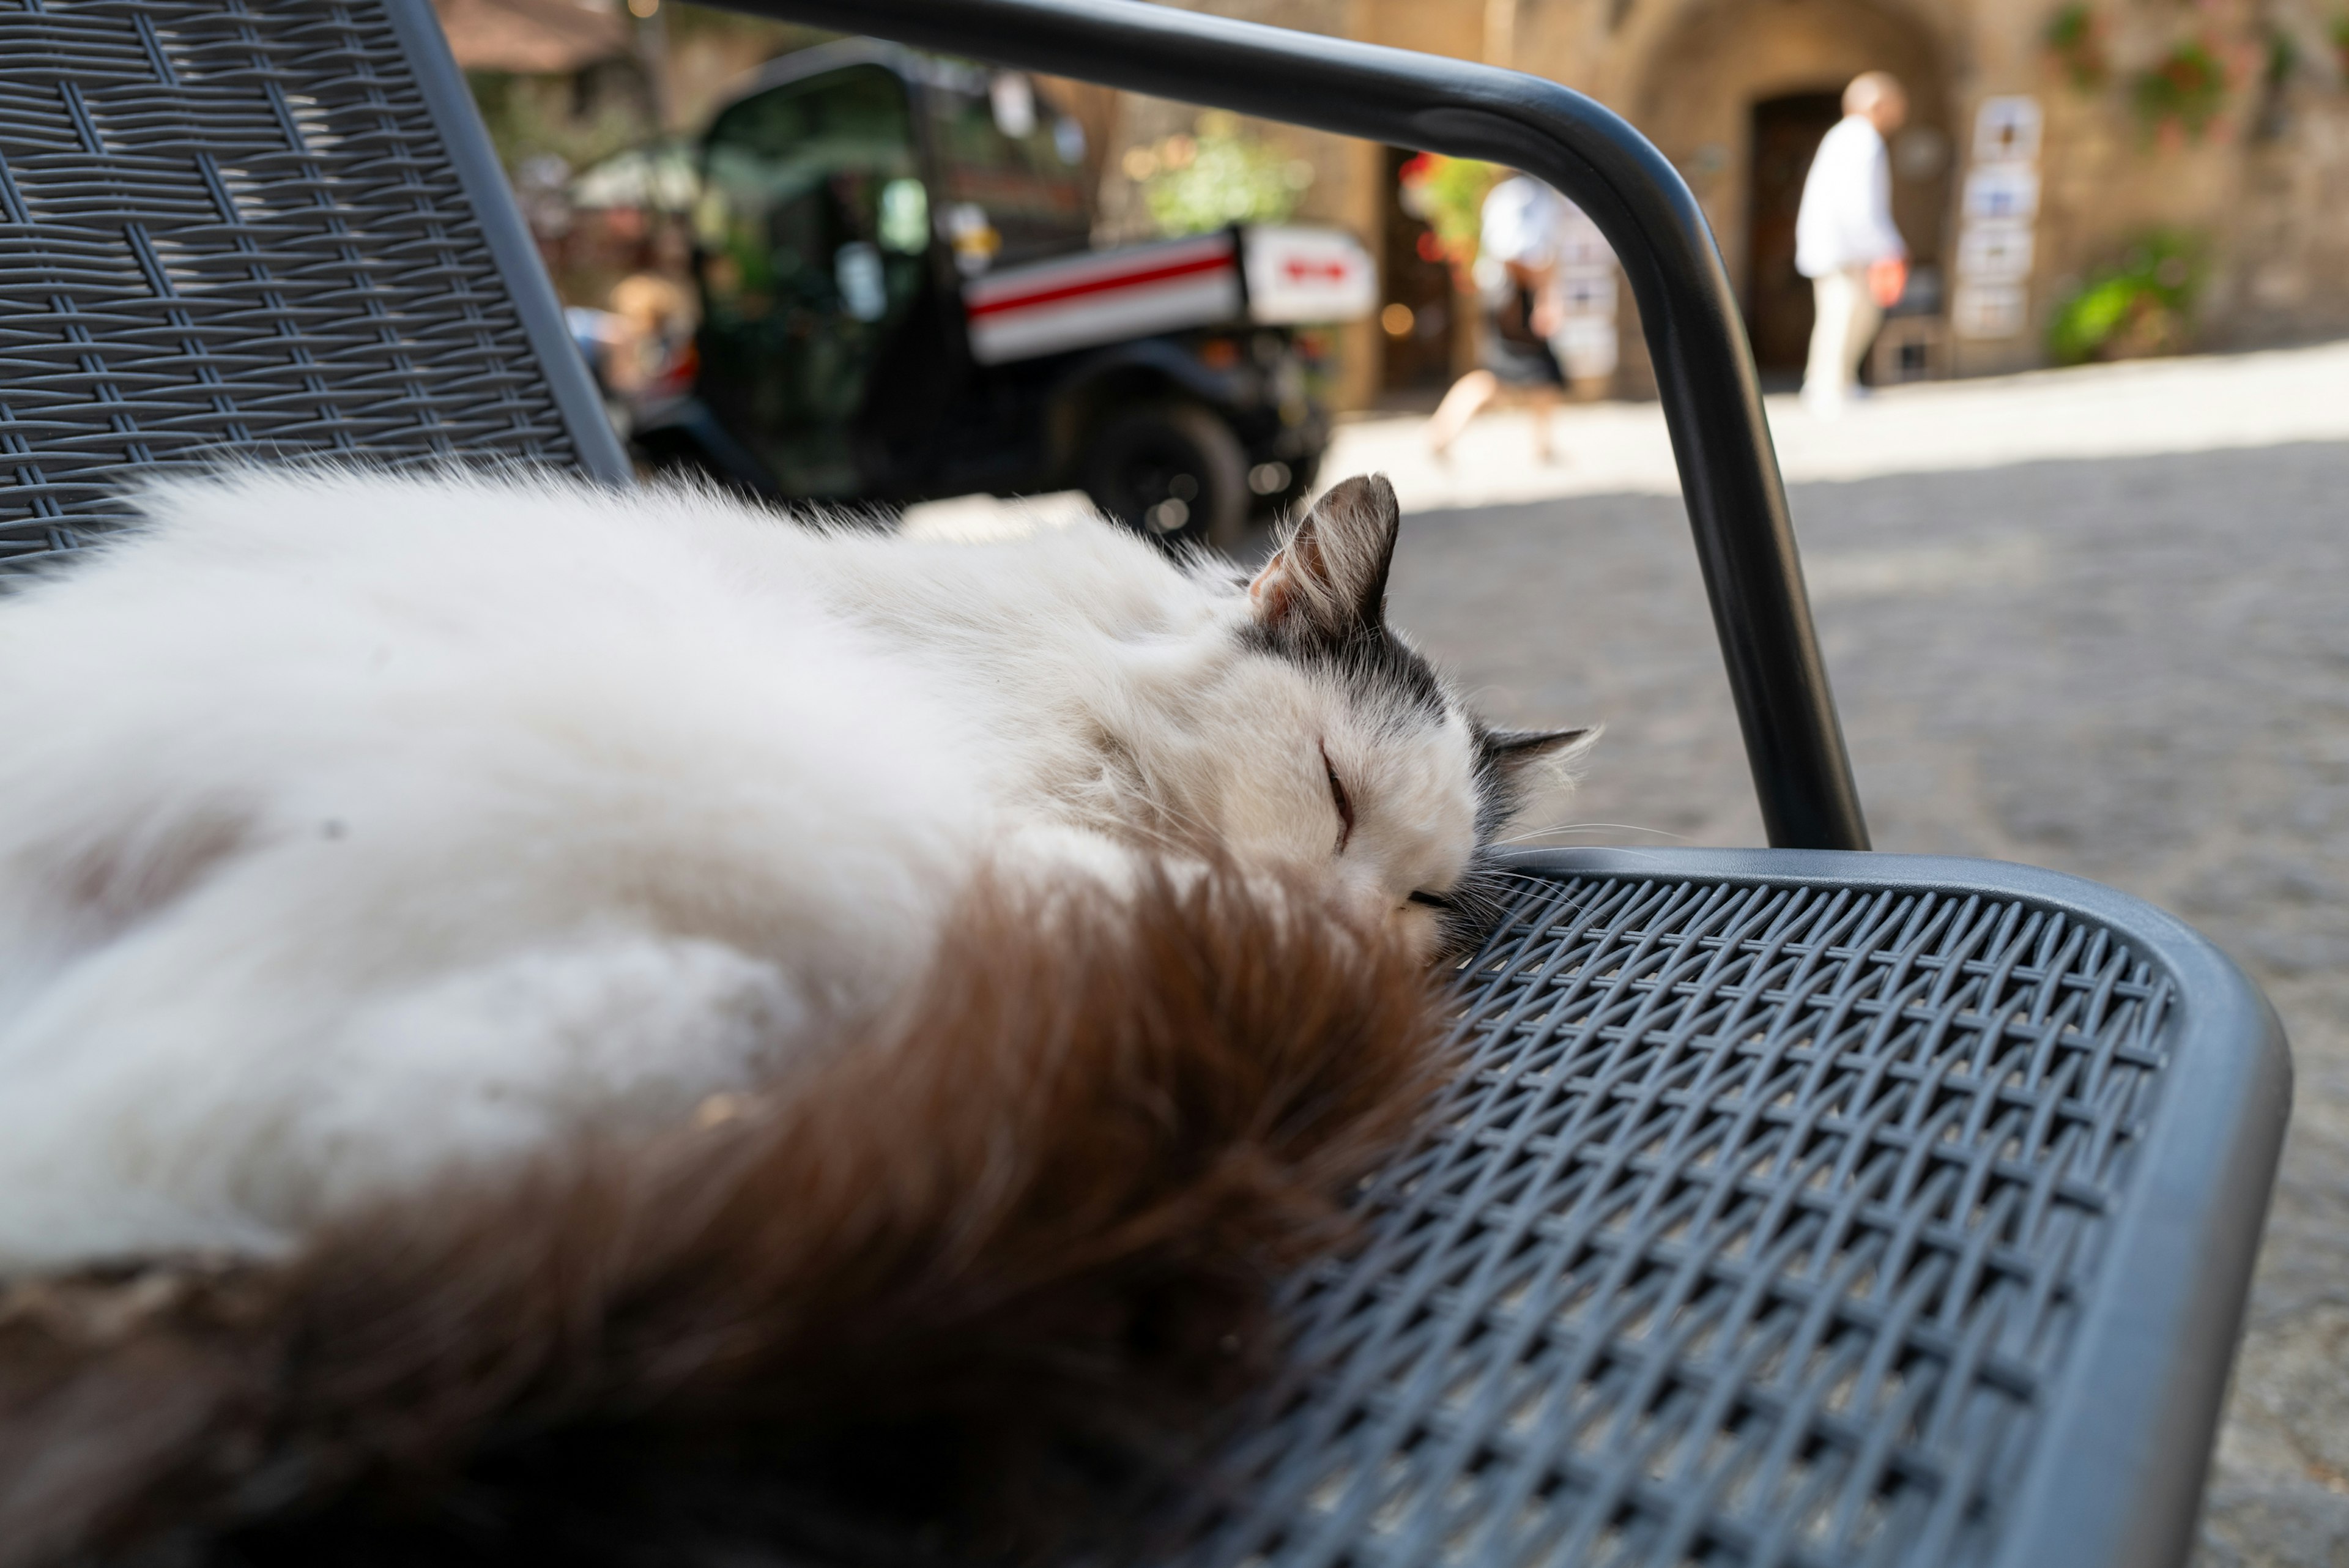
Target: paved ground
2136, 669
2210, 402
2152, 407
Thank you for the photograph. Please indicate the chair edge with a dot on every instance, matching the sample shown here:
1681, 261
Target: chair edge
450, 104
2123, 1449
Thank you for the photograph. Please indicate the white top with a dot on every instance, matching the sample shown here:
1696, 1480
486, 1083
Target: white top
1845, 219
1527, 222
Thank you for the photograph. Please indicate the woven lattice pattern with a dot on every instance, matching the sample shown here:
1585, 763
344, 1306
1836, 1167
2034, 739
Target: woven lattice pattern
225, 229
1752, 1233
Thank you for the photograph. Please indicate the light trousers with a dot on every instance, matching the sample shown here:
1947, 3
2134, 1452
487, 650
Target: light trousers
1847, 318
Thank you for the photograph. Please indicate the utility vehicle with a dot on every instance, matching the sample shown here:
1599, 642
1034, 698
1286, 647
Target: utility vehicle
900, 299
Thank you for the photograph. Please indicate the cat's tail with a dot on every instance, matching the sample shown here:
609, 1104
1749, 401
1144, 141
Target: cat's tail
1003, 1246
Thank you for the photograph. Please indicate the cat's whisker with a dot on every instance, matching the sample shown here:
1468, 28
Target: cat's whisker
1588, 827
1523, 878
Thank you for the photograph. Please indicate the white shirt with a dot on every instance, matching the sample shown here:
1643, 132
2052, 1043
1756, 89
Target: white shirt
1845, 219
1527, 222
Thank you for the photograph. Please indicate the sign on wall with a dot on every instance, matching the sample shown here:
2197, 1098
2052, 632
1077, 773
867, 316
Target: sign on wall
1999, 206
1586, 343
2001, 192
2006, 131
1995, 253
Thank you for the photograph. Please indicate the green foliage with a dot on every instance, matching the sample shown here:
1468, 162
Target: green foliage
2141, 308
1225, 173
2075, 38
1448, 195
2341, 41
2184, 88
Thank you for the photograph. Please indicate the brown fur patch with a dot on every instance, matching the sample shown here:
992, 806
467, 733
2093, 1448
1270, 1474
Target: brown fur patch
1003, 1249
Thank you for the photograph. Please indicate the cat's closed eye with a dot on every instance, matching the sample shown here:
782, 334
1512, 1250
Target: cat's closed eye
1433, 900
1339, 798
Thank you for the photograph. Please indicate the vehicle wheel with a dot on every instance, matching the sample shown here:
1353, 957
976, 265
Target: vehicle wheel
1173, 471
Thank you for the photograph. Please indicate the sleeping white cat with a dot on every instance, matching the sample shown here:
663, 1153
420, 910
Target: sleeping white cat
356, 828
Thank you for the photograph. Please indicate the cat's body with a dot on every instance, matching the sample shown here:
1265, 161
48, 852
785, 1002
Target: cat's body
356, 830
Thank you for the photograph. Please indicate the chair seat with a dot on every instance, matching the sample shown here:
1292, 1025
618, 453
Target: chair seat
1784, 1205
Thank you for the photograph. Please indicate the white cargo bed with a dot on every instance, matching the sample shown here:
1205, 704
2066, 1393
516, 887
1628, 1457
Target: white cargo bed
1269, 274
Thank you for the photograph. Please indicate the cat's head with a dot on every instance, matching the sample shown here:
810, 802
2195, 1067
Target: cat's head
1344, 747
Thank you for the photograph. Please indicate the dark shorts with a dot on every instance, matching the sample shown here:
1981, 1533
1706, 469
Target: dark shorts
1509, 348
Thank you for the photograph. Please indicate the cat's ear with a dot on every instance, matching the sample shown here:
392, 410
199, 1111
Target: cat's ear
1329, 577
1517, 755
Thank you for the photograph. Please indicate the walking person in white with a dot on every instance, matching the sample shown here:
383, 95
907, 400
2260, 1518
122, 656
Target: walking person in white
1845, 241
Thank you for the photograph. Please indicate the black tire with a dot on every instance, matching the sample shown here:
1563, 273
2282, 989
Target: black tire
1172, 470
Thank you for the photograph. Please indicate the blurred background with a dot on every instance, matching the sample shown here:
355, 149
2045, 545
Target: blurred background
2190, 162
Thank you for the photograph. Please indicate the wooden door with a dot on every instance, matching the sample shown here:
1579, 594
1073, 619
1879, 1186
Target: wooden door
1418, 315
1786, 133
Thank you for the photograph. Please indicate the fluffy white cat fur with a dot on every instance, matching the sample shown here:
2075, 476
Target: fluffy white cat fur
353, 829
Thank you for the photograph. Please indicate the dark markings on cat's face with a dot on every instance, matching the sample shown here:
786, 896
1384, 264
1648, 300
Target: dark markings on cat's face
1320, 602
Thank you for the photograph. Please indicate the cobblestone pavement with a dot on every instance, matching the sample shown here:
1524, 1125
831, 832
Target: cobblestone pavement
2136, 669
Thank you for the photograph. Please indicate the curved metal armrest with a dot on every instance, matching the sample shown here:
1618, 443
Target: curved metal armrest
1729, 473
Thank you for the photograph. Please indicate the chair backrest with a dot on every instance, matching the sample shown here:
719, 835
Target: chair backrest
235, 229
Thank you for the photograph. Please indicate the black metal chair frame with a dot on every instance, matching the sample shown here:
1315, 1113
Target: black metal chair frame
1795, 1206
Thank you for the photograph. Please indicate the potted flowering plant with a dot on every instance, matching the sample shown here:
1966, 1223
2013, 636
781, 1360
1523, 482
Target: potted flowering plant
1223, 175
1448, 194
2142, 307
2076, 38
2182, 92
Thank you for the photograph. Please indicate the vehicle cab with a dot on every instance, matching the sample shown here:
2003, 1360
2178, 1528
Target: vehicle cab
899, 299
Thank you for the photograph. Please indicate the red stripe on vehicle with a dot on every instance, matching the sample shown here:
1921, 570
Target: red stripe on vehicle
1102, 286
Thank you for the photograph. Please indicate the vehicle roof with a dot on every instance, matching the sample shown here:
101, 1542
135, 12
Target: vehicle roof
913, 65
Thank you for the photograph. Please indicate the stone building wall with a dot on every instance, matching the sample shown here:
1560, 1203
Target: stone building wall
2265, 186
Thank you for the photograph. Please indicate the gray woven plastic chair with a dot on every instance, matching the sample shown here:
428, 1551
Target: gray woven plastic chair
229, 230
1797, 1206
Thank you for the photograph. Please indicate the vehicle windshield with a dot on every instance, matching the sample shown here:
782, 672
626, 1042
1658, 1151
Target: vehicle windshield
813, 235
1011, 167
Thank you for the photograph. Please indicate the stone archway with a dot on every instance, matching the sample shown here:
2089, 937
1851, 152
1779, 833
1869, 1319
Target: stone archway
1729, 90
